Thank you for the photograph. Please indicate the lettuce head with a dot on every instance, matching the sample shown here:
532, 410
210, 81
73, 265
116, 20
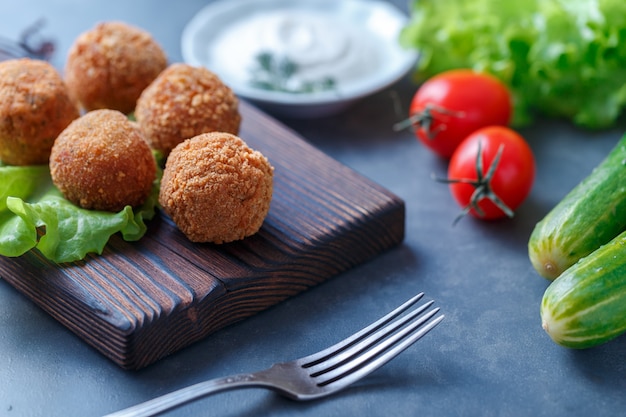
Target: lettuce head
561, 58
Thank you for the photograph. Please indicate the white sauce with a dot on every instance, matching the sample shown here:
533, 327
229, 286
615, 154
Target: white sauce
320, 45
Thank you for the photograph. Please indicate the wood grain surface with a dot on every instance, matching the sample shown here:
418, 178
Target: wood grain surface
141, 301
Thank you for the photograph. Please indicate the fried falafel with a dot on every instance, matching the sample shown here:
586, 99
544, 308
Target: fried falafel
35, 107
110, 65
216, 189
102, 162
183, 102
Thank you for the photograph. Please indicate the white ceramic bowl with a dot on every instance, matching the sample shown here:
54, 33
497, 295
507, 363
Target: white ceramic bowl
222, 37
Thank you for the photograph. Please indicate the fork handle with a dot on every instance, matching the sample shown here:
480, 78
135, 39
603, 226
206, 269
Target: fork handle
193, 392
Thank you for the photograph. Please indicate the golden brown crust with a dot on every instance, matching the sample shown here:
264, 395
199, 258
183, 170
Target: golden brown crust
185, 101
102, 162
110, 65
34, 108
216, 189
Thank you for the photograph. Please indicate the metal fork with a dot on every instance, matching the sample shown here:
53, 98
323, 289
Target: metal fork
321, 373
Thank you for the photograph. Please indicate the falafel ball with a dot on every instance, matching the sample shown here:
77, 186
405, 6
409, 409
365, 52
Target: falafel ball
102, 162
35, 107
110, 65
183, 102
216, 189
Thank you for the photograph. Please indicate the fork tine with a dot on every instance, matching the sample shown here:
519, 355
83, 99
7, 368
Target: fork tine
365, 343
359, 366
322, 355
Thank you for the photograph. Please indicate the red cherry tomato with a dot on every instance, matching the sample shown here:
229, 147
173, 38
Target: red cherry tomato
451, 105
491, 172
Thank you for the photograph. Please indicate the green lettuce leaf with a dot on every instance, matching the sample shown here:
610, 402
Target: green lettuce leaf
35, 215
562, 58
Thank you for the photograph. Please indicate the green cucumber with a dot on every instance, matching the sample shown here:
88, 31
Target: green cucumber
586, 305
592, 214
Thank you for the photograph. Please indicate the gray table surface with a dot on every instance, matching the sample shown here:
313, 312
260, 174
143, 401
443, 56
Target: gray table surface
489, 357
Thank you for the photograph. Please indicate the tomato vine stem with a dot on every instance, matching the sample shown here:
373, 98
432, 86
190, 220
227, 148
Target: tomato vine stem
425, 118
482, 185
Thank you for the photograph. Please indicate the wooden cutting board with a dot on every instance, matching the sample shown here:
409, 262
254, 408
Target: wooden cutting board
141, 301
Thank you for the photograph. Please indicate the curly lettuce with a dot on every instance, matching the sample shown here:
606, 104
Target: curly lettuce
35, 215
561, 58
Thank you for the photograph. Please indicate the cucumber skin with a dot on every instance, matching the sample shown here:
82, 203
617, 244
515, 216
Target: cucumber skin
586, 305
592, 214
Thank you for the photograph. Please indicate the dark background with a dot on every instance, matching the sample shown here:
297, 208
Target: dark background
489, 357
